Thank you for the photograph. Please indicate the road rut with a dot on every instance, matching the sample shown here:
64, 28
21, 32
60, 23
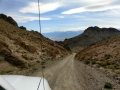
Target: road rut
69, 74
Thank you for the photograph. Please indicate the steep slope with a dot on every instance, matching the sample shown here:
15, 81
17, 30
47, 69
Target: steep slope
104, 54
90, 36
20, 50
9, 19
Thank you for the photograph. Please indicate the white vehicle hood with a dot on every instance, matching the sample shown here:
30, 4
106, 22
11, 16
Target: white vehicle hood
19, 82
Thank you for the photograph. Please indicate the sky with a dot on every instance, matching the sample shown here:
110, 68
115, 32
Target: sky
63, 15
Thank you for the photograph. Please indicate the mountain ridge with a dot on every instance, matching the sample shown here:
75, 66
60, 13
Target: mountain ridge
90, 36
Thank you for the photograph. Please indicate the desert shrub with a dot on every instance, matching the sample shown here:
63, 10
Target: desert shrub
34, 69
103, 64
31, 58
43, 67
93, 62
22, 27
43, 63
5, 72
1, 58
113, 67
108, 85
25, 56
87, 61
107, 56
109, 62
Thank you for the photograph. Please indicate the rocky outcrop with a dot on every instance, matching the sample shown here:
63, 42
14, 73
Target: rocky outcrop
7, 54
9, 19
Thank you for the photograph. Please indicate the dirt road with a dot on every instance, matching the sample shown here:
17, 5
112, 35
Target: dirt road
69, 74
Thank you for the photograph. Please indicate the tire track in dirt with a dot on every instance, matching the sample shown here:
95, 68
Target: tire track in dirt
69, 74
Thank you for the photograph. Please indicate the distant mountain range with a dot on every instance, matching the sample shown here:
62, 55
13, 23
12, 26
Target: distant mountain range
60, 36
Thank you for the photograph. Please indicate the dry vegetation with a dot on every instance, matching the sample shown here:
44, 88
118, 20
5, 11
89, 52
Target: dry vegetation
105, 54
20, 50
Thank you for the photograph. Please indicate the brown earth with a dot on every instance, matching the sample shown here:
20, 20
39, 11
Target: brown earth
69, 74
104, 54
21, 50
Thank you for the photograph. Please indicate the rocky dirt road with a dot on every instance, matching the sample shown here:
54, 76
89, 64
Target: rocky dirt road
69, 74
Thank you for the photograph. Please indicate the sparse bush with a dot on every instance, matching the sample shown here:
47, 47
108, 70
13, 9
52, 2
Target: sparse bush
107, 56
108, 85
113, 67
25, 56
1, 58
31, 58
43, 66
34, 69
103, 64
5, 72
93, 62
87, 61
109, 62
43, 63
22, 27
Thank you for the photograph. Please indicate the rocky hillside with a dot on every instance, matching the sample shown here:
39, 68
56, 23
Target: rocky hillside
104, 54
90, 36
8, 19
21, 52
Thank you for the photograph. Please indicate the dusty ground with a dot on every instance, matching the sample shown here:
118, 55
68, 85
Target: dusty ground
69, 74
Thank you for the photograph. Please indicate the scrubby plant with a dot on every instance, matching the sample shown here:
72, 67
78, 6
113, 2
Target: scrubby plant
1, 58
22, 27
6, 72
113, 67
87, 61
25, 56
43, 63
43, 66
31, 58
108, 85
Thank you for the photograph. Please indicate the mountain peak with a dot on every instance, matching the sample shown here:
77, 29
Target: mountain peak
91, 36
97, 30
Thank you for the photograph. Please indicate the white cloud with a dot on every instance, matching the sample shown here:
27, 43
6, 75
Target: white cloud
33, 7
111, 13
26, 18
61, 17
92, 8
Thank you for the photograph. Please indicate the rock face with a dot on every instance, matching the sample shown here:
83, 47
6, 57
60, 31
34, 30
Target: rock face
21, 49
90, 36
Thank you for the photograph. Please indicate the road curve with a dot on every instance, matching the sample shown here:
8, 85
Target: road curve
69, 74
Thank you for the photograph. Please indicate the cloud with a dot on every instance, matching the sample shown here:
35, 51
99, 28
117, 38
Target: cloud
92, 8
61, 17
111, 13
33, 7
26, 18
